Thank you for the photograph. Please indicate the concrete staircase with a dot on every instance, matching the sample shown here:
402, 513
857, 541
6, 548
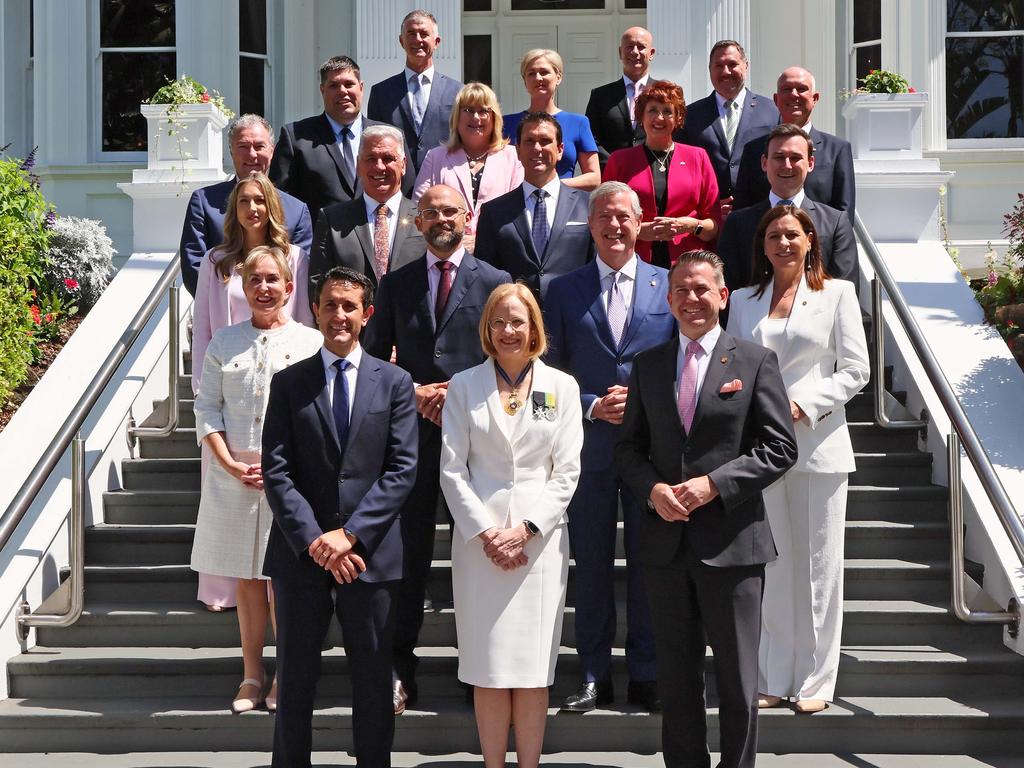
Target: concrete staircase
148, 670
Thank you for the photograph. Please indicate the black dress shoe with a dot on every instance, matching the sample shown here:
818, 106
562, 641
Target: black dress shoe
590, 695
644, 693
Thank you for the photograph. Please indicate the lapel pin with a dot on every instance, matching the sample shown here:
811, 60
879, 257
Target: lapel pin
724, 360
805, 303
654, 283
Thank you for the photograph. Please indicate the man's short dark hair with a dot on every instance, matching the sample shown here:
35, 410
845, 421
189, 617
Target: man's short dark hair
345, 275
786, 130
337, 64
701, 256
535, 118
721, 45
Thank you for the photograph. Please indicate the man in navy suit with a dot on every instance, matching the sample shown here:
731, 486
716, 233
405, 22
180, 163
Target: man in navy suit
832, 182
598, 317
316, 156
418, 100
707, 427
788, 161
429, 312
724, 121
251, 144
610, 109
510, 235
339, 460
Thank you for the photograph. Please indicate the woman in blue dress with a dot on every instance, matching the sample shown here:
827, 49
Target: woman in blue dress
542, 72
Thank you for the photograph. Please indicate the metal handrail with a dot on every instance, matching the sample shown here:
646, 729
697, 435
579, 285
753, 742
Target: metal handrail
173, 355
878, 380
71, 427
963, 432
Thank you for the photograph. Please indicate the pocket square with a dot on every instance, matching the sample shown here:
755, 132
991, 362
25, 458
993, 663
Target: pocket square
576, 224
733, 386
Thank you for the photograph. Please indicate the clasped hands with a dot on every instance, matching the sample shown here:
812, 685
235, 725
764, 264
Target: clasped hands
504, 546
669, 227
333, 552
612, 406
430, 400
675, 503
250, 474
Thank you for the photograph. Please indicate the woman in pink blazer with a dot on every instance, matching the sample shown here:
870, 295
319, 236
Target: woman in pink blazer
675, 182
254, 217
477, 161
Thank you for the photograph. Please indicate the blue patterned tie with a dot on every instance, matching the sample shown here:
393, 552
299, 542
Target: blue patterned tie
419, 106
340, 403
540, 223
346, 150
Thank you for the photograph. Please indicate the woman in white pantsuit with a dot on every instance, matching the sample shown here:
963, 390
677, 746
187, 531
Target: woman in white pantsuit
813, 323
512, 432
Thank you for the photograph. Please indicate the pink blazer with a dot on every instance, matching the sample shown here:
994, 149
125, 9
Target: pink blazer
692, 190
502, 173
219, 303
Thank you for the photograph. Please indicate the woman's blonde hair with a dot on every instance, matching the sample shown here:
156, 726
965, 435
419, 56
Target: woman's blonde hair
476, 95
538, 338
275, 254
231, 253
541, 53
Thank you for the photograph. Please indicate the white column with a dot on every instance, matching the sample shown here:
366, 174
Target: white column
295, 62
62, 109
672, 30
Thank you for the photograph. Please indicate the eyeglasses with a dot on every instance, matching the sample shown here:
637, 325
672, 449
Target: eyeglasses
474, 111
433, 214
498, 324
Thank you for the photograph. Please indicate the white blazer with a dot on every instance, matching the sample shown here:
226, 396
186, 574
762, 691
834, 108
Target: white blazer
492, 477
823, 358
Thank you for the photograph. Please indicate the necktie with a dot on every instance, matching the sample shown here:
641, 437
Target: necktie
444, 287
419, 103
380, 241
785, 202
346, 150
686, 400
632, 91
340, 402
540, 222
732, 122
616, 309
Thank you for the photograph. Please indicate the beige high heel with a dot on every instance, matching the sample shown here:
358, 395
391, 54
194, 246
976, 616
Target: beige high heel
271, 699
245, 703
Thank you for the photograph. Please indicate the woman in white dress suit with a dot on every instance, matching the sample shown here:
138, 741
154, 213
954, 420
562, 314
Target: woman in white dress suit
477, 161
813, 323
512, 431
253, 217
234, 520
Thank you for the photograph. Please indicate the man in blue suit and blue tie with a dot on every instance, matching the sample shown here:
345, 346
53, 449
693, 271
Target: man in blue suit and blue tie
418, 100
599, 316
339, 460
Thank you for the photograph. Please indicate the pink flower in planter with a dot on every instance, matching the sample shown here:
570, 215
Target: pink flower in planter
911, 90
71, 285
205, 97
993, 278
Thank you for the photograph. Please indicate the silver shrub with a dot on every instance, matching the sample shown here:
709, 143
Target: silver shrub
79, 250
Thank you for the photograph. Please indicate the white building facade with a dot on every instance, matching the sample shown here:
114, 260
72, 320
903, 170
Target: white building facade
73, 71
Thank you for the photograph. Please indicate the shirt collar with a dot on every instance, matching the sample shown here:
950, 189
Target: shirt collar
707, 341
628, 269
428, 72
741, 97
798, 198
355, 357
642, 81
356, 125
455, 259
552, 188
392, 203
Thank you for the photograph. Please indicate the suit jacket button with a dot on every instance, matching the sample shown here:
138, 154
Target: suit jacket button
437, 353
541, 273
619, 361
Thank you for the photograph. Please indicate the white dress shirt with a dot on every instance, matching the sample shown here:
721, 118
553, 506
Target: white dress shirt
434, 275
553, 187
355, 359
707, 343
798, 198
356, 127
392, 204
720, 101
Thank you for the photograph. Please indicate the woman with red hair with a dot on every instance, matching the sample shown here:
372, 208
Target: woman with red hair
675, 182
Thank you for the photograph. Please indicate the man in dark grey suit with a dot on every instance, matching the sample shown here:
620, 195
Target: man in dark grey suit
429, 312
610, 109
316, 156
789, 160
509, 235
418, 101
724, 121
832, 182
707, 428
375, 232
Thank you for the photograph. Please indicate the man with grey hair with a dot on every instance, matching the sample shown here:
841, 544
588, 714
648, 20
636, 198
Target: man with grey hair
251, 144
598, 317
418, 101
316, 156
832, 181
374, 233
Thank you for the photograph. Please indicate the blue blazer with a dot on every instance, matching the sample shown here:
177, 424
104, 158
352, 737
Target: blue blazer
704, 129
581, 342
831, 182
389, 103
503, 238
313, 484
204, 226
404, 318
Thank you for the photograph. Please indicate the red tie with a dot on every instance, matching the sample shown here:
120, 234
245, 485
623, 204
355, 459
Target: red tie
444, 287
380, 241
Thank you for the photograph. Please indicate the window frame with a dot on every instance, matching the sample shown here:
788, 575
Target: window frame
268, 63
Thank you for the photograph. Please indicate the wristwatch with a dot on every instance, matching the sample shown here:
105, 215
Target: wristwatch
698, 229
533, 529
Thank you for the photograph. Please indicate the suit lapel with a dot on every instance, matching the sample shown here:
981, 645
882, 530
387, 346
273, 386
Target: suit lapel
623, 105
541, 382
675, 182
434, 102
523, 228
421, 291
405, 227
362, 229
318, 389
562, 208
716, 126
366, 384
462, 174
663, 374
648, 290
464, 278
590, 291
485, 381
331, 142
719, 369
804, 303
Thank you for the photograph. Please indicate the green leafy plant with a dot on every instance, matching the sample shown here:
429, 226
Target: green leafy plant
1001, 291
187, 90
884, 81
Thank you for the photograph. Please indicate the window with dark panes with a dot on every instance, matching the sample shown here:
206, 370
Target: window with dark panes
469, 6
867, 39
561, 5
985, 69
477, 65
252, 56
137, 56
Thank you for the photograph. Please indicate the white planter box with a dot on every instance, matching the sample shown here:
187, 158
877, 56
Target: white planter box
886, 126
197, 126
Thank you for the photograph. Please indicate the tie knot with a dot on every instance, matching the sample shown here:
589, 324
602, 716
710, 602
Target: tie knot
443, 266
694, 349
342, 365
346, 132
382, 210
730, 104
785, 202
540, 194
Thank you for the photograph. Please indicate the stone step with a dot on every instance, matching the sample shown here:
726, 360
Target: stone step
113, 544
180, 444
892, 468
151, 507
160, 474
897, 503
976, 725
868, 436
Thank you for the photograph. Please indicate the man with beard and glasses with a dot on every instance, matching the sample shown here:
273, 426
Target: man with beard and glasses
429, 312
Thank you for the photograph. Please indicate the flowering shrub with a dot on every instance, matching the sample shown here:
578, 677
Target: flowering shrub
79, 261
24, 238
1001, 291
884, 81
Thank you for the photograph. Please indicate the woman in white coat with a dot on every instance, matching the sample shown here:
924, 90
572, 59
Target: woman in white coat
512, 431
813, 323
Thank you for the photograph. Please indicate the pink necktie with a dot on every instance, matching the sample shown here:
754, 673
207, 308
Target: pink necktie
686, 399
